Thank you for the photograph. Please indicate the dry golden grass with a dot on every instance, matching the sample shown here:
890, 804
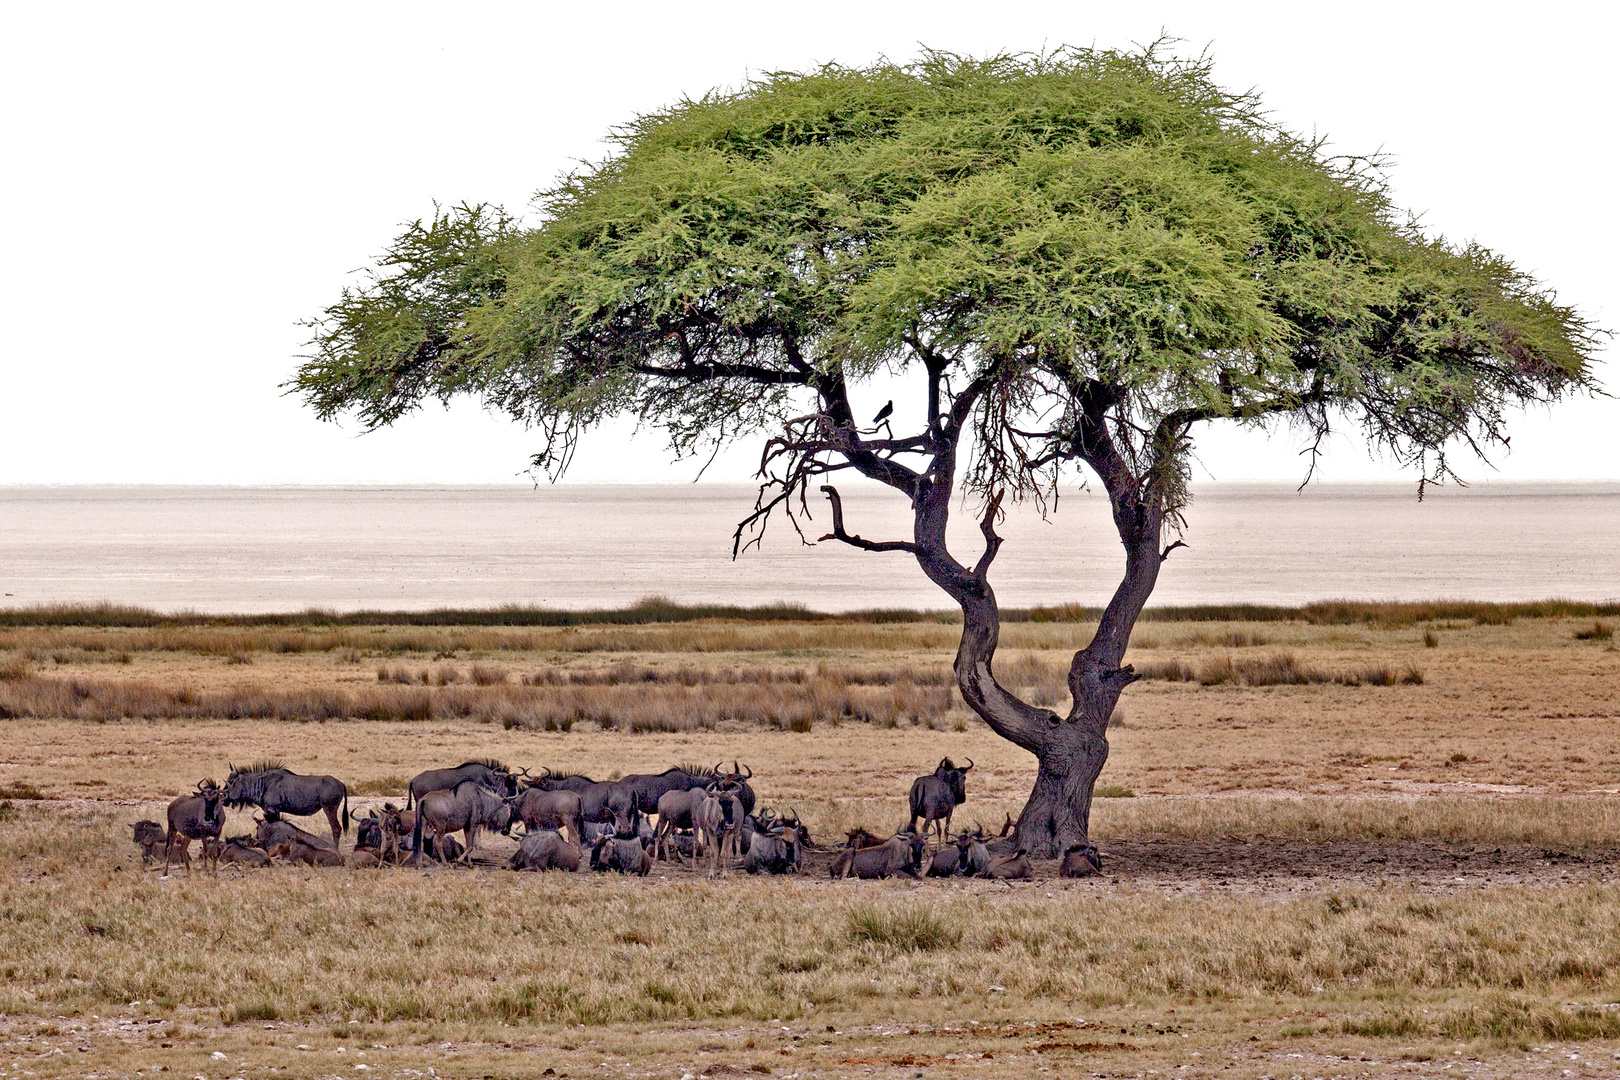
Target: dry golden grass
1510, 740
256, 964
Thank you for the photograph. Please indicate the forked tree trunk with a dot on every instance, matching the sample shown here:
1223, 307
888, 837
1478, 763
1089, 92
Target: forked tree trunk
1070, 750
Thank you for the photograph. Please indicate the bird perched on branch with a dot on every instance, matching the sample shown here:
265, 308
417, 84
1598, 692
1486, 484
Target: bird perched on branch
881, 420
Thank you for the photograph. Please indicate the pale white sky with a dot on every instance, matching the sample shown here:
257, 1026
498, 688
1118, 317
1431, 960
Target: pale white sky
185, 182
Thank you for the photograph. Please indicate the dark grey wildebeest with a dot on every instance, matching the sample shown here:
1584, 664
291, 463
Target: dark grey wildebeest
278, 790
546, 850
196, 817
775, 852
599, 800
489, 773
935, 798
541, 809
467, 808
626, 855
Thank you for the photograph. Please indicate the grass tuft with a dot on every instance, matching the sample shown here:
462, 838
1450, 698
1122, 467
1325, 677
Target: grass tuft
1112, 791
906, 928
1599, 631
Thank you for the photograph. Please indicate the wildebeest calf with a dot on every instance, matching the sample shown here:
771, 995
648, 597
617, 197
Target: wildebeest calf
273, 832
149, 837
546, 850
904, 854
238, 850
295, 852
1080, 860
1013, 867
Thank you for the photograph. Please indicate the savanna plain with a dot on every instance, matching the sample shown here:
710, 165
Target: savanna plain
1337, 841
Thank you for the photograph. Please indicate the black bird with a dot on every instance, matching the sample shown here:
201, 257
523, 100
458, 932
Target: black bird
884, 413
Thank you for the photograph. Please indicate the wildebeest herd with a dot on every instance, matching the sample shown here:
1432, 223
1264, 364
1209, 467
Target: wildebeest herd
570, 822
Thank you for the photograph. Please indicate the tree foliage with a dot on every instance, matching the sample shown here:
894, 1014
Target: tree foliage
1079, 229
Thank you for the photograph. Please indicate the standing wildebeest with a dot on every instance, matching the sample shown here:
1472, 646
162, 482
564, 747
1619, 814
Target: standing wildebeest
599, 800
277, 790
466, 809
904, 854
489, 773
196, 817
935, 798
1080, 860
546, 850
541, 809
648, 788
693, 808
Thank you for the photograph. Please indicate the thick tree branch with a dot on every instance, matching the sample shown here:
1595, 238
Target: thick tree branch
838, 532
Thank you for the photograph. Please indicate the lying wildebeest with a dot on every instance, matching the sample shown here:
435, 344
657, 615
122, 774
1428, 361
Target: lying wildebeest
278, 790
368, 833
237, 849
935, 798
1080, 860
627, 856
904, 854
775, 852
150, 838
489, 773
546, 850
467, 808
1010, 867
196, 817
295, 851
695, 809
541, 809
599, 800
273, 832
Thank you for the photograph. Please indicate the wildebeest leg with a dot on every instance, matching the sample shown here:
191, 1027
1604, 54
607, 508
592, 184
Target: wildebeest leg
471, 833
332, 817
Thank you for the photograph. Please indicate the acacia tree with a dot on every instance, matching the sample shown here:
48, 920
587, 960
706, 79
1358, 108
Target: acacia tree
1077, 258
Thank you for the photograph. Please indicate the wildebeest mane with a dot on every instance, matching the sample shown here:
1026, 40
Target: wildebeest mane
488, 763
562, 774
267, 765
695, 770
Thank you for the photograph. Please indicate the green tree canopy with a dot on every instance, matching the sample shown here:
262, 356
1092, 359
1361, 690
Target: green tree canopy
1081, 255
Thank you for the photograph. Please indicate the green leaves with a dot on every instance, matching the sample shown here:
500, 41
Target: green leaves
1077, 225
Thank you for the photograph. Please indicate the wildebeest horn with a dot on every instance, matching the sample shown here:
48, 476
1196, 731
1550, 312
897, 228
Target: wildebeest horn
750, 769
968, 766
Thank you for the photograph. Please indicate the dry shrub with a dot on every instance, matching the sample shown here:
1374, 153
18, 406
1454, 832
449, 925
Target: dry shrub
483, 675
1278, 669
638, 706
15, 669
1599, 631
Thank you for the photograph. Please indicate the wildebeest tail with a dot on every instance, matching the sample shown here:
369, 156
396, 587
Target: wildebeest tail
416, 840
345, 809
